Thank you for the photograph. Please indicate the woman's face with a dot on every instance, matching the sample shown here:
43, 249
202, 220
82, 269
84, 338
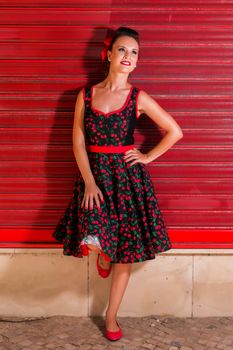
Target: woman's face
124, 54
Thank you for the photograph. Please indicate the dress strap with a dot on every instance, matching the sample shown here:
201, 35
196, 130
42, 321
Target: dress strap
136, 93
86, 97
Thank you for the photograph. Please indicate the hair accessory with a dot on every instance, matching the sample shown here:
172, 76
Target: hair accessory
107, 42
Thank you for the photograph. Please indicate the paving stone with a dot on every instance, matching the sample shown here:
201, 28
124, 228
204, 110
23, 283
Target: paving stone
70, 347
145, 333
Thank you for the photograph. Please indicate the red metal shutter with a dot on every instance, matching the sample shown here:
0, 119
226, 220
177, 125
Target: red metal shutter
50, 49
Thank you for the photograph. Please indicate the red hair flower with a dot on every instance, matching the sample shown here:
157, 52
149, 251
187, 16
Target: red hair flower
107, 42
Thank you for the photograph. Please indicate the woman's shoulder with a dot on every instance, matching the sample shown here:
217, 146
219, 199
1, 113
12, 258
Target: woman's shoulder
141, 92
85, 89
138, 90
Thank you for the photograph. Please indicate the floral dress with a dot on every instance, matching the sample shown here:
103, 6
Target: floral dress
129, 226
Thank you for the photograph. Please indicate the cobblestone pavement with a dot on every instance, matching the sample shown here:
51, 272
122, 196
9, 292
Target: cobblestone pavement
139, 333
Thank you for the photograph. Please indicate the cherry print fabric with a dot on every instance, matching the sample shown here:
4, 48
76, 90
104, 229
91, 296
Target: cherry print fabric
129, 226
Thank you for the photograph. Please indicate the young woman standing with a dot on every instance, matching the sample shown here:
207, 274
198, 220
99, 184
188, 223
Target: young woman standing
114, 211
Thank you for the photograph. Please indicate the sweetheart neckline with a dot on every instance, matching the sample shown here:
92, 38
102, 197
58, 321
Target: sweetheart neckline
114, 111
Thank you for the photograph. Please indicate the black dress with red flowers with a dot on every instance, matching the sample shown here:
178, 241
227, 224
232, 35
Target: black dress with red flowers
129, 226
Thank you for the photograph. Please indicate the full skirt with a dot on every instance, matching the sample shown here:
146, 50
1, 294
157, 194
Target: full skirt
129, 226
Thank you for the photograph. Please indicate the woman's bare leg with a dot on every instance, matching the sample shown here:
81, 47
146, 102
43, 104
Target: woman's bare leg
120, 278
119, 282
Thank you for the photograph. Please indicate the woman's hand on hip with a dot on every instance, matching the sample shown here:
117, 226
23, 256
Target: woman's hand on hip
135, 155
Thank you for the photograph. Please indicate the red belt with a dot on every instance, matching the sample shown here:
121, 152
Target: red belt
108, 149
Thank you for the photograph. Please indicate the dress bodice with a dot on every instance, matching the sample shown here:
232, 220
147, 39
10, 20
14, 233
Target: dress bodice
113, 128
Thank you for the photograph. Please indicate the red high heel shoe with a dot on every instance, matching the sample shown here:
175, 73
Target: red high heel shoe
103, 272
114, 335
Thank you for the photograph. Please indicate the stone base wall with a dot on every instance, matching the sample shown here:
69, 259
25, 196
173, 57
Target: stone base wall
182, 283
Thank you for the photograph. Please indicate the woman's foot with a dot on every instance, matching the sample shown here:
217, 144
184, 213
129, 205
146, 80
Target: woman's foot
103, 266
112, 326
111, 323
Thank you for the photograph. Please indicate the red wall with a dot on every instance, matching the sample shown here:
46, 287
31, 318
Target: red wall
50, 49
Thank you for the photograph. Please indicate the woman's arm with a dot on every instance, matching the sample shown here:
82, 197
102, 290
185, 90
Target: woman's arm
79, 147
147, 105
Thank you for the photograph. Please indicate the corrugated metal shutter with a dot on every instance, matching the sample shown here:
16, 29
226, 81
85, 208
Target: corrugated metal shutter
50, 49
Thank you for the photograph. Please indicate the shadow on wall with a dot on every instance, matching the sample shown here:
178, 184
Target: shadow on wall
59, 164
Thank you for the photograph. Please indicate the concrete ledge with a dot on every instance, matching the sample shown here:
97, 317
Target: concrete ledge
182, 283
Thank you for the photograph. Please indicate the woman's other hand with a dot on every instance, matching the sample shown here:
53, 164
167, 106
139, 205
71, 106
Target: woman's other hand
92, 191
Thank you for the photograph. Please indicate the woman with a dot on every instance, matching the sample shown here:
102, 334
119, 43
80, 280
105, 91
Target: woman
114, 211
